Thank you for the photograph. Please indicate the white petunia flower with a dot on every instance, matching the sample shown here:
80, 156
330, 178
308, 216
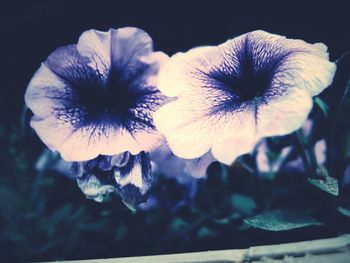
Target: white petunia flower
232, 95
97, 97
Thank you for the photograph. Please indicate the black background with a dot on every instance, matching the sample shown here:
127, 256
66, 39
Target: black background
33, 29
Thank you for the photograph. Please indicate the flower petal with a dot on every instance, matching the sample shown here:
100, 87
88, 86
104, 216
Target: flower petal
304, 65
290, 62
262, 159
102, 163
228, 150
191, 128
93, 189
171, 166
188, 71
45, 92
129, 45
188, 132
320, 151
128, 50
148, 81
313, 73
88, 142
51, 131
52, 90
137, 173
75, 68
96, 45
128, 175
285, 114
164, 162
198, 167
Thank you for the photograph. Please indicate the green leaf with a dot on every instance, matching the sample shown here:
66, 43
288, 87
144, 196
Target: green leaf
45, 160
204, 232
79, 215
338, 144
177, 224
343, 114
327, 184
61, 214
227, 220
121, 232
93, 226
347, 144
10, 202
344, 211
322, 105
281, 220
243, 204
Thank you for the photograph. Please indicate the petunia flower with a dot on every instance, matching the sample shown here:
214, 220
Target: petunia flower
125, 174
230, 96
97, 97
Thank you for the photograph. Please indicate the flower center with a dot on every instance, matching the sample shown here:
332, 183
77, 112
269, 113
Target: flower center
245, 83
106, 100
252, 77
248, 79
250, 84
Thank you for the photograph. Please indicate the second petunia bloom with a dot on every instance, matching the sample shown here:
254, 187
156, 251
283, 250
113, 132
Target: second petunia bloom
97, 97
230, 96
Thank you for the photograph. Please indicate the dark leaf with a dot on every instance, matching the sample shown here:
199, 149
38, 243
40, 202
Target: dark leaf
281, 220
204, 232
243, 204
327, 184
322, 105
344, 211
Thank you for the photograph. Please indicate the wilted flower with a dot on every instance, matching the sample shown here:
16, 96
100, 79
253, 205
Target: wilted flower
232, 95
126, 174
97, 97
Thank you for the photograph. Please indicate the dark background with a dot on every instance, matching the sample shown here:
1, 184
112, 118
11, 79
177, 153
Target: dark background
31, 30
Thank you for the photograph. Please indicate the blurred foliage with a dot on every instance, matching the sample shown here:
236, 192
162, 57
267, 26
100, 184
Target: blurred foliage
44, 215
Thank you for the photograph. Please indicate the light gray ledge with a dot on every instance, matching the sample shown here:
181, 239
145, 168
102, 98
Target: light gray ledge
331, 250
